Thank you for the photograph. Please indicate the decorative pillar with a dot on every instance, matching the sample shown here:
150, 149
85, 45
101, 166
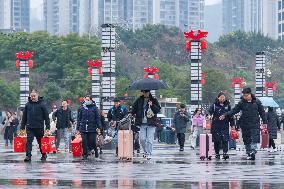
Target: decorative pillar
95, 70
194, 45
270, 88
237, 85
151, 72
260, 74
108, 66
24, 65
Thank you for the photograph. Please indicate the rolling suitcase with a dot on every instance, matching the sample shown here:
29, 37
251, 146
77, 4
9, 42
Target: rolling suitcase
264, 138
125, 144
206, 147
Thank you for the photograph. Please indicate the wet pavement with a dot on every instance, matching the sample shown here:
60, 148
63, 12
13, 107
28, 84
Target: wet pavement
167, 169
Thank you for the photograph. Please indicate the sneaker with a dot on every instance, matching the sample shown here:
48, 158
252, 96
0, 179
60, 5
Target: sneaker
27, 159
248, 157
43, 157
269, 150
85, 157
275, 150
181, 149
252, 156
144, 155
96, 154
225, 156
192, 147
101, 151
217, 156
148, 157
138, 151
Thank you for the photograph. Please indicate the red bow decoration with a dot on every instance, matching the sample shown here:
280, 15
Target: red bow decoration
191, 35
151, 70
203, 79
97, 63
234, 134
270, 85
24, 56
30, 63
17, 64
187, 46
238, 80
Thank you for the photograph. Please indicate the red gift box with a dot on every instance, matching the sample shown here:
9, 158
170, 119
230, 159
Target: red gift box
48, 144
20, 144
77, 147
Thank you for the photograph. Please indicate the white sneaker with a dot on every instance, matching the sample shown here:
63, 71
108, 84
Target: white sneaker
275, 150
269, 150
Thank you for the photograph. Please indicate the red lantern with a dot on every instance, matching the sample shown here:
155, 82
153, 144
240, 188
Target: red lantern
100, 71
203, 82
81, 99
187, 46
203, 45
156, 76
30, 64
90, 70
17, 64
145, 75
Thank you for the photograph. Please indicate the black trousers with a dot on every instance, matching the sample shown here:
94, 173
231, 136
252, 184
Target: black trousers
38, 133
181, 139
217, 146
136, 144
271, 143
88, 142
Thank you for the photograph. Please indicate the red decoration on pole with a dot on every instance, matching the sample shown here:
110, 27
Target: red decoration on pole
203, 45
92, 63
187, 46
156, 76
24, 55
203, 79
17, 64
30, 63
90, 70
270, 85
191, 35
238, 80
151, 71
100, 71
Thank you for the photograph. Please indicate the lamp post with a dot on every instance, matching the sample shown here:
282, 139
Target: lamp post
260, 74
95, 70
237, 85
24, 64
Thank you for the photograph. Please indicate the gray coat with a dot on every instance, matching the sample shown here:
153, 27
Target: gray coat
180, 122
250, 121
272, 124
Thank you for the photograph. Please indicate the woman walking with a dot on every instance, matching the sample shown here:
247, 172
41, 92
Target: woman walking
272, 125
198, 121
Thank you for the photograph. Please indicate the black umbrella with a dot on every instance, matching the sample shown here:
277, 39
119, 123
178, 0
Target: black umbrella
148, 84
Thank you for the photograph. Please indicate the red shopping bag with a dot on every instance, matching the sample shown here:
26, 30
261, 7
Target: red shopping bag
234, 134
20, 144
77, 146
48, 144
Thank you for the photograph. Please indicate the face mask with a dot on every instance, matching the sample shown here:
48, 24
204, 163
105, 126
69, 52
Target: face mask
87, 103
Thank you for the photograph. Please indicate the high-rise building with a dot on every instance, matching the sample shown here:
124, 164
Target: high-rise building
5, 14
15, 15
61, 17
89, 17
280, 19
250, 16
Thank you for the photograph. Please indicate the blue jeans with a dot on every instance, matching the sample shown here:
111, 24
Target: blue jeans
146, 138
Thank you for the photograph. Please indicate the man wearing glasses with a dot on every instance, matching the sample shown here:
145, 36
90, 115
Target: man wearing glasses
251, 109
145, 110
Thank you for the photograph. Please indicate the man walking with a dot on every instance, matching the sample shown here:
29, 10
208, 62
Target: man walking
35, 116
64, 119
180, 121
252, 109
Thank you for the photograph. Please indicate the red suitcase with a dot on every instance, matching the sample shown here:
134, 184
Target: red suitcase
48, 144
125, 144
264, 138
206, 146
77, 147
20, 144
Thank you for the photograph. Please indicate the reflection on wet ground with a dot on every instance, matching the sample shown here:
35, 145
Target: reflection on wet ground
167, 169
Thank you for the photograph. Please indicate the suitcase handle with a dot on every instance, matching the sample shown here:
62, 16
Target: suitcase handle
207, 145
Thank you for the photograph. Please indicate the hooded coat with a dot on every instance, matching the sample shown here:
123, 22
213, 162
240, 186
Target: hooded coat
272, 124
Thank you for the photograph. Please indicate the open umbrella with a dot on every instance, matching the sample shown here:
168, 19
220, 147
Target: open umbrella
268, 101
148, 84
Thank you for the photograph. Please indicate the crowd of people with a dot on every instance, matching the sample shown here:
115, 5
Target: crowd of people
245, 116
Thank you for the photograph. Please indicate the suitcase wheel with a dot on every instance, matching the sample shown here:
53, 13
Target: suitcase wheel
209, 158
202, 158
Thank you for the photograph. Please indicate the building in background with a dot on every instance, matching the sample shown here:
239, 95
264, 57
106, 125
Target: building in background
250, 16
280, 19
15, 15
61, 17
88, 17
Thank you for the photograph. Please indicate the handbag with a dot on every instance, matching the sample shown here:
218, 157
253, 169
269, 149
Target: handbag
124, 124
150, 113
100, 141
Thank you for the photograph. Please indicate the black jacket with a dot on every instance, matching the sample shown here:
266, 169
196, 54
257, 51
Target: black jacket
116, 114
88, 119
58, 114
273, 124
138, 111
220, 128
35, 115
249, 120
180, 122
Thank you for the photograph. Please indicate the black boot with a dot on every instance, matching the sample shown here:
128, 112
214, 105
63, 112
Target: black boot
116, 151
27, 159
217, 156
85, 157
43, 157
96, 153
225, 156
